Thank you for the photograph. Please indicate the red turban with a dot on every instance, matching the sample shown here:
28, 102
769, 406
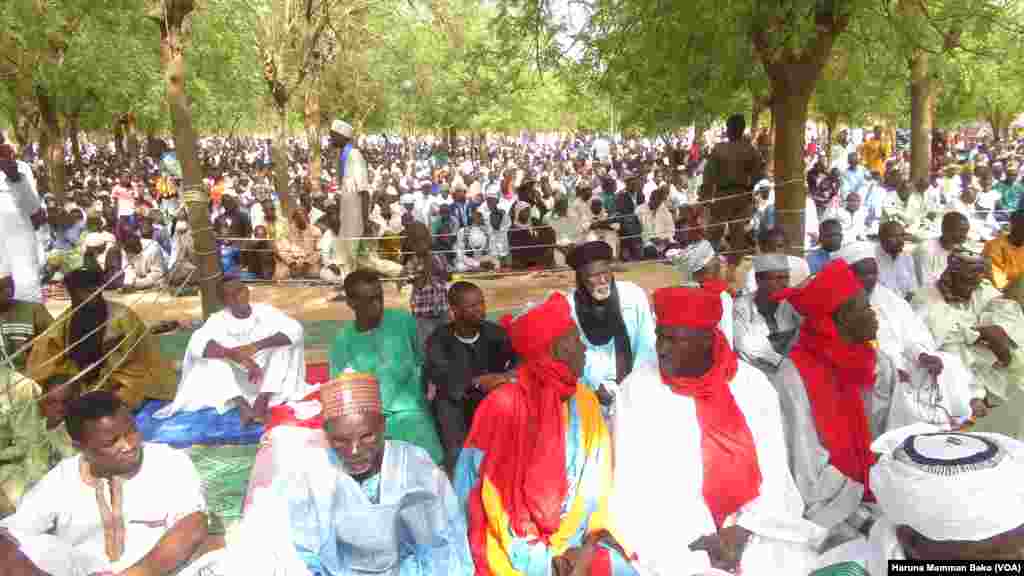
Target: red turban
533, 333
835, 372
824, 292
688, 307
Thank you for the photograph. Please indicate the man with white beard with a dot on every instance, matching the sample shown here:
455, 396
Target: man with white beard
614, 318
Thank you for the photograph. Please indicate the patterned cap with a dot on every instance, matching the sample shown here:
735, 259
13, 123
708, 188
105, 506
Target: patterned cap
351, 393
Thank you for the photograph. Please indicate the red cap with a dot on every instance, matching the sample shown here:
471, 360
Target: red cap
533, 333
821, 294
687, 307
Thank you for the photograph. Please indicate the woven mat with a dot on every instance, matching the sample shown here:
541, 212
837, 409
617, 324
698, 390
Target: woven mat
224, 471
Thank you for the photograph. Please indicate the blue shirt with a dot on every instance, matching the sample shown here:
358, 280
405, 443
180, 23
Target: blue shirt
817, 259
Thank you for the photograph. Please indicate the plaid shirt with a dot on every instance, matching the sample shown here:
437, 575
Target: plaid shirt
431, 301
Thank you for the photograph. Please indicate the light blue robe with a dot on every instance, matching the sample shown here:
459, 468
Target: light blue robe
639, 321
406, 521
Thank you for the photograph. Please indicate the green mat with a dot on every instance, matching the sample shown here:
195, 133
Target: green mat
841, 569
224, 471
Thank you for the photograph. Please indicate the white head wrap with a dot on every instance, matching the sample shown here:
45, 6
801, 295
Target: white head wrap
341, 128
856, 251
949, 485
406, 199
771, 263
696, 257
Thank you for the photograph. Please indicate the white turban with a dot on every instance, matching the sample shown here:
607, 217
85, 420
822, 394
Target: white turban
771, 263
949, 486
406, 199
341, 128
696, 257
493, 191
856, 251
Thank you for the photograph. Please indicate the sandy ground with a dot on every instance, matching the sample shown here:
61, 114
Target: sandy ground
506, 293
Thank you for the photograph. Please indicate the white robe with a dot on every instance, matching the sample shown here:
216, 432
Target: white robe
930, 261
752, 332
166, 489
18, 201
830, 496
658, 504
903, 336
208, 383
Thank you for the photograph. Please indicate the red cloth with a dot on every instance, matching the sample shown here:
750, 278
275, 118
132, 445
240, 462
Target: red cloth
529, 469
835, 373
716, 286
732, 476
689, 307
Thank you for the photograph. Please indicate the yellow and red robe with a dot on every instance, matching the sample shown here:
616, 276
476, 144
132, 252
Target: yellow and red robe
497, 549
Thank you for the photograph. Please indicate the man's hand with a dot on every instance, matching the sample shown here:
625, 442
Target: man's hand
488, 382
9, 167
933, 364
38, 218
998, 342
255, 372
244, 352
978, 408
724, 548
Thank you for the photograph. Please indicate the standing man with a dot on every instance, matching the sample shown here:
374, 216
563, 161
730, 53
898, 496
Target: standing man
729, 178
353, 188
21, 214
464, 360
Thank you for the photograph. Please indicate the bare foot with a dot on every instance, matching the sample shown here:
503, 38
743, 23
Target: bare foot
246, 414
261, 408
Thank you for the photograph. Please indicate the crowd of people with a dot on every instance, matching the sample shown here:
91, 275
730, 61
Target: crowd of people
823, 413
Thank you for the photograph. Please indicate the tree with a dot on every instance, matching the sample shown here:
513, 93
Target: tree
171, 14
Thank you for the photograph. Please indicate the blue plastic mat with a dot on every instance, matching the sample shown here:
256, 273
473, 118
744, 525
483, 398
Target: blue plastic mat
185, 429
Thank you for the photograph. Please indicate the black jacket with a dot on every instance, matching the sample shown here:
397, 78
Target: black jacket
451, 365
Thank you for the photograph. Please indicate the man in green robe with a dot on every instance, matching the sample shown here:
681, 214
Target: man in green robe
382, 342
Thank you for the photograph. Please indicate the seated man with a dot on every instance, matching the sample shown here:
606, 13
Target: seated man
536, 471
931, 386
1006, 253
358, 505
28, 446
297, 255
919, 467
247, 355
141, 260
744, 487
773, 241
614, 318
465, 359
895, 267
830, 240
699, 263
932, 256
122, 506
834, 391
383, 342
101, 343
765, 327
970, 319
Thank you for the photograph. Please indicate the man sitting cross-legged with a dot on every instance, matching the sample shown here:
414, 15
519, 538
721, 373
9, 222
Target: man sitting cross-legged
247, 355
121, 507
359, 504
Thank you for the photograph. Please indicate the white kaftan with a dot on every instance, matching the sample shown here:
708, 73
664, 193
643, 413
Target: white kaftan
658, 504
752, 332
207, 383
18, 201
917, 394
830, 496
58, 525
930, 261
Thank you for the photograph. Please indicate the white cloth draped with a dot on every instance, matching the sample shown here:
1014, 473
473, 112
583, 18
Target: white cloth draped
18, 201
752, 331
658, 504
207, 383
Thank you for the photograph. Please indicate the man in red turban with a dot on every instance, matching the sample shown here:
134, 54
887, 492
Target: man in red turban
835, 391
724, 475
535, 473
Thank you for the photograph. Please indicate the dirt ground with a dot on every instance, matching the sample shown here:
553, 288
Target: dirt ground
311, 303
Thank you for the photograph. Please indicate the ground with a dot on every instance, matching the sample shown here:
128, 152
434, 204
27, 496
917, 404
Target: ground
312, 305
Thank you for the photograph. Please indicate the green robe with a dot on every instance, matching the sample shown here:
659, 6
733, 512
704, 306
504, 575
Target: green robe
389, 352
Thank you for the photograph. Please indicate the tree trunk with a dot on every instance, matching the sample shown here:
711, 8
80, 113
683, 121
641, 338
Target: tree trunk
755, 115
119, 138
312, 118
279, 156
54, 150
830, 127
196, 198
76, 146
789, 114
920, 117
